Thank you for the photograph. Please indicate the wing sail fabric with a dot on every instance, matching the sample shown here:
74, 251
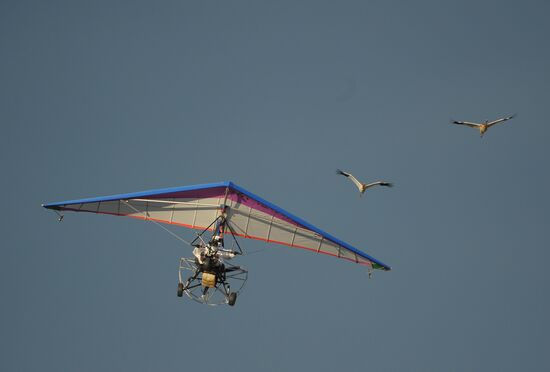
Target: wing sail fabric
248, 215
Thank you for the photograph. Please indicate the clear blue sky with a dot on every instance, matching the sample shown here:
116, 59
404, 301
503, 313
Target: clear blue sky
108, 97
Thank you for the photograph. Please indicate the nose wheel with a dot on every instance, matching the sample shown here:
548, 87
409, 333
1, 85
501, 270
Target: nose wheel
231, 299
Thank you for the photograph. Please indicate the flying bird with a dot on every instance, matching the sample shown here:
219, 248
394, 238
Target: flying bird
482, 127
363, 186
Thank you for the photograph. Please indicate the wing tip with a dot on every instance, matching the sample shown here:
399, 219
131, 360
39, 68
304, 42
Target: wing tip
380, 266
50, 206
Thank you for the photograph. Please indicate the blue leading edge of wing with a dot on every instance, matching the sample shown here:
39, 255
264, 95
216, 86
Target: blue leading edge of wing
139, 194
233, 186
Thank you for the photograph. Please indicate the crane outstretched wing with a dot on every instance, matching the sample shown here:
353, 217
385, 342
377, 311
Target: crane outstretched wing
248, 215
468, 123
500, 120
352, 178
380, 183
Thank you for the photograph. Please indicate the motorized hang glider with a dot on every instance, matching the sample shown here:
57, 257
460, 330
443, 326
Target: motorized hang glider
223, 209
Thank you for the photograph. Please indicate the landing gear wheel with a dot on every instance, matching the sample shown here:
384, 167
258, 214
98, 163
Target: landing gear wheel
180, 289
232, 298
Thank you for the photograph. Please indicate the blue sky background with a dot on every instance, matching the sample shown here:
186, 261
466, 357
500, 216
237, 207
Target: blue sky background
98, 98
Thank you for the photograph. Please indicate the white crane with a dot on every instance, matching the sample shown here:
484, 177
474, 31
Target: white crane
363, 186
482, 127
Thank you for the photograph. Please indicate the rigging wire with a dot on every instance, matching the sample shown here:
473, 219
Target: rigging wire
158, 224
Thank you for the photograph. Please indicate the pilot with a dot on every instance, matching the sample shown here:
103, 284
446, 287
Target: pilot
210, 257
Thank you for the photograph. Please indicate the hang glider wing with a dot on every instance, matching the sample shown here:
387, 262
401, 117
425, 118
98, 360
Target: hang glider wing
248, 215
